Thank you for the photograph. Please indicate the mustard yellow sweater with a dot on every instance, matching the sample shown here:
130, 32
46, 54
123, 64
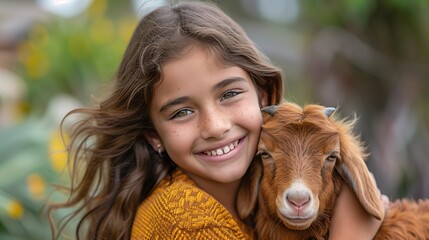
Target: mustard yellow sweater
181, 210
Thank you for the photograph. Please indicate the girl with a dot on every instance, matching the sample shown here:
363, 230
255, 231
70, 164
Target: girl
164, 154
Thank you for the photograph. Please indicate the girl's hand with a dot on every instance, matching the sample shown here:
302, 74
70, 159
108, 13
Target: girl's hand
350, 220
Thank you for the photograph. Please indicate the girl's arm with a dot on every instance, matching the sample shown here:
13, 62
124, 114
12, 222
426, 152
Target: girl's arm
351, 221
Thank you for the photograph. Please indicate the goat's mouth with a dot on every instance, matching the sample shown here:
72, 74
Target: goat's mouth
297, 223
297, 219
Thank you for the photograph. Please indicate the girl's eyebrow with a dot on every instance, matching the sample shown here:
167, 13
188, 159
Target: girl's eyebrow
183, 99
228, 81
173, 102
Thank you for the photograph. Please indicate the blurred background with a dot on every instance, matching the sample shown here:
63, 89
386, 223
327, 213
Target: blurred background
367, 57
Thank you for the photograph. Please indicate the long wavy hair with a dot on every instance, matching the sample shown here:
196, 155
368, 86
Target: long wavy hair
113, 168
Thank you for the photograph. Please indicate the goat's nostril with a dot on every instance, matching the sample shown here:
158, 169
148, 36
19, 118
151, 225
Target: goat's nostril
298, 199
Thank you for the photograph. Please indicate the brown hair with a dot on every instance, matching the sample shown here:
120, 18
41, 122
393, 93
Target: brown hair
120, 169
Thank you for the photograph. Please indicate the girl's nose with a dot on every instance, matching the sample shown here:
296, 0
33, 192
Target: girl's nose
214, 123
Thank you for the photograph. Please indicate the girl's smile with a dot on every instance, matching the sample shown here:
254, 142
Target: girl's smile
222, 150
224, 153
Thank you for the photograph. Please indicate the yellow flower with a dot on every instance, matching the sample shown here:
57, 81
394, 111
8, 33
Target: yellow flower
15, 209
34, 60
32, 53
126, 28
97, 8
23, 109
40, 35
58, 152
36, 186
102, 30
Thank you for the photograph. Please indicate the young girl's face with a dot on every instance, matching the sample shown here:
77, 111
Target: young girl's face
207, 117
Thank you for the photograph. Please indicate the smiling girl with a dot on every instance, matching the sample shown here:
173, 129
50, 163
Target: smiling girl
164, 154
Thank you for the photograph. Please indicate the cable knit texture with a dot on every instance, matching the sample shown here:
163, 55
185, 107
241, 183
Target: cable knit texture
178, 209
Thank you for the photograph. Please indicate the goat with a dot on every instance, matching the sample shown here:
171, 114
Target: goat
304, 155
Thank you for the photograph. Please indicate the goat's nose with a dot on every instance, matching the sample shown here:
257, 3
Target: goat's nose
298, 199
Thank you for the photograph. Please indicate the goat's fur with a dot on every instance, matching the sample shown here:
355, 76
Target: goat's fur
303, 158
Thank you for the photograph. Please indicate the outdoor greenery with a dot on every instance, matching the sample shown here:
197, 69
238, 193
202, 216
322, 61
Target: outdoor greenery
63, 63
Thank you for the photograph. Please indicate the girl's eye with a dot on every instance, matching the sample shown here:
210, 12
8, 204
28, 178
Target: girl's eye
229, 94
181, 113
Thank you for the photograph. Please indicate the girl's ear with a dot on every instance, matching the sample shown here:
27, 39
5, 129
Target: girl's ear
154, 140
263, 98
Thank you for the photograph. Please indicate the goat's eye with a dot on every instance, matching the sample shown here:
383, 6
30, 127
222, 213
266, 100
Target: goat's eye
332, 157
264, 154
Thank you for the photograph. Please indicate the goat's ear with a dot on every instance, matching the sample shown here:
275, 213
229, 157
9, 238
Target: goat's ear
353, 169
248, 192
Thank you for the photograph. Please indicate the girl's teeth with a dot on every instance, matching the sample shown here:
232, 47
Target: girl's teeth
224, 150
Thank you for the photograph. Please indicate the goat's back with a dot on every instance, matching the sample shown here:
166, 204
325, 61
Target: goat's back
405, 219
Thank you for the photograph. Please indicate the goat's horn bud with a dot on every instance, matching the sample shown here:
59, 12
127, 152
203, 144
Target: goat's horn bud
329, 111
270, 109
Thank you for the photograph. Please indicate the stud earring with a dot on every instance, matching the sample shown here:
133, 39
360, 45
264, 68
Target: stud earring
159, 147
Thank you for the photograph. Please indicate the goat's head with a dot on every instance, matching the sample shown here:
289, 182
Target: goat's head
294, 170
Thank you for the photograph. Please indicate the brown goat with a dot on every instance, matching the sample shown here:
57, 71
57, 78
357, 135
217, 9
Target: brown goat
304, 155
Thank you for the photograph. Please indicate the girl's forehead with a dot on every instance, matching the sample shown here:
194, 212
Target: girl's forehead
195, 64
210, 55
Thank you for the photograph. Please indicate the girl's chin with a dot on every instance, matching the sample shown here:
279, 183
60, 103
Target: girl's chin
231, 175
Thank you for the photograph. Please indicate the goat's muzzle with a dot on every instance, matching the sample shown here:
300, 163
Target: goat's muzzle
297, 206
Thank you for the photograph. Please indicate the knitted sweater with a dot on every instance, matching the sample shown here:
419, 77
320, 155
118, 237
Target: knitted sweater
180, 210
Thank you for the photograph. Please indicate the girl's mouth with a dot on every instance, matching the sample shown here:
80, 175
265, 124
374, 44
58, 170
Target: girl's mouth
222, 150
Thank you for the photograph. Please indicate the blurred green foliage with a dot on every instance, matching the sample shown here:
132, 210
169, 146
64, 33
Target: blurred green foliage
72, 57
25, 171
